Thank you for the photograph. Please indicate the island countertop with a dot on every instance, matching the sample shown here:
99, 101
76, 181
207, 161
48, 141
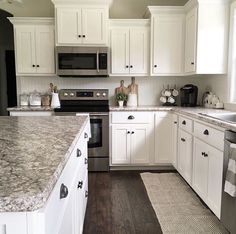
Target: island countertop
33, 153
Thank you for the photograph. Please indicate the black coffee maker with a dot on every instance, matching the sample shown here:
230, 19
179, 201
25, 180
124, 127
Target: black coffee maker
188, 95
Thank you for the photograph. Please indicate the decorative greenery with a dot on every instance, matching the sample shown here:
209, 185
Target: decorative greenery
121, 97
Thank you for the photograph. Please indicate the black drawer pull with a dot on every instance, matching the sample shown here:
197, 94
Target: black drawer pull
63, 191
131, 117
205, 155
175, 122
80, 184
184, 122
38, 66
206, 132
192, 63
85, 135
79, 153
85, 161
128, 132
83, 35
182, 139
86, 194
132, 132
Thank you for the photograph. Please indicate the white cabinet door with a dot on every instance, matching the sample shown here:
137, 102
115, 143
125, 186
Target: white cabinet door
120, 51
25, 49
45, 58
140, 138
167, 45
185, 155
139, 47
191, 41
200, 168
164, 138
120, 144
94, 26
215, 173
68, 26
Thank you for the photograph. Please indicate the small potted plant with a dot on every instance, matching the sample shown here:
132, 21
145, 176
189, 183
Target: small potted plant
121, 98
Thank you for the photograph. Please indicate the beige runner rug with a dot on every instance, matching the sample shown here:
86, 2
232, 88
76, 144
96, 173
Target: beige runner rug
177, 207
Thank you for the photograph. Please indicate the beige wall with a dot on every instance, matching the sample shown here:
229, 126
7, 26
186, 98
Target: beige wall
119, 8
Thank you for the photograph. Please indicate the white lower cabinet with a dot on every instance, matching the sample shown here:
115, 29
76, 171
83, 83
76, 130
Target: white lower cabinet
165, 138
185, 142
130, 144
207, 174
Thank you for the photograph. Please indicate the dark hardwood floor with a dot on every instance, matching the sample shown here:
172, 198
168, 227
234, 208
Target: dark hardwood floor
118, 203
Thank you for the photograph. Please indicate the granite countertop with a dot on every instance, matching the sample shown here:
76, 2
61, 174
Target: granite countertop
30, 108
194, 112
33, 153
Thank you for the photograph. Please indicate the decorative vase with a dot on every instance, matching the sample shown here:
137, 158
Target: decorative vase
121, 103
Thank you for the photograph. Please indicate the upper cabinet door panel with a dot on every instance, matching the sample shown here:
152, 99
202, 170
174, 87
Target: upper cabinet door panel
68, 30
139, 50
120, 51
25, 47
191, 41
94, 26
45, 57
168, 44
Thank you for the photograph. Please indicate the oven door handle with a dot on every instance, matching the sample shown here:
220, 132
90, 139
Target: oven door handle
98, 61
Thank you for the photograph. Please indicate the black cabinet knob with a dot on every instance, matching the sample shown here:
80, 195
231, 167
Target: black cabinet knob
33, 65
182, 139
155, 65
184, 122
63, 191
79, 153
83, 35
206, 132
79, 36
192, 63
127, 66
37, 65
131, 66
131, 117
128, 132
175, 122
80, 185
85, 135
132, 132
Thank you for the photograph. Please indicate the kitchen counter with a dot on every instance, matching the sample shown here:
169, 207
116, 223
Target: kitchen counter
33, 153
30, 108
193, 112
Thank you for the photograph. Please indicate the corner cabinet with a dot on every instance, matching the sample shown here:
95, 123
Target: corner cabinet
167, 40
129, 42
34, 46
206, 38
85, 25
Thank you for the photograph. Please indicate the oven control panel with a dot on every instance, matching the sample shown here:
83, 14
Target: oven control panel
82, 94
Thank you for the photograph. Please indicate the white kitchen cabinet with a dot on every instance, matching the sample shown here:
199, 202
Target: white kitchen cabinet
190, 40
85, 25
165, 138
130, 144
206, 38
207, 174
185, 141
34, 46
167, 44
129, 47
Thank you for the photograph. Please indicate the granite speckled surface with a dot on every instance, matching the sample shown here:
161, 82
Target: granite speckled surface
194, 112
33, 153
30, 108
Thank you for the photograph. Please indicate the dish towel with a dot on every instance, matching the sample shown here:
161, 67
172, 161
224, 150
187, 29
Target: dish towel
230, 181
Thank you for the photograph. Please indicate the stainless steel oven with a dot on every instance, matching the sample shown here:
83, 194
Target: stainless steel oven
82, 61
95, 103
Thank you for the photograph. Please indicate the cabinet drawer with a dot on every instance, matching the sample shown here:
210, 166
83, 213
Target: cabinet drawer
210, 135
130, 117
185, 124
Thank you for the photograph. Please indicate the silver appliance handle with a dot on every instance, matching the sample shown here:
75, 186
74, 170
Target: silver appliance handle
98, 114
98, 61
232, 145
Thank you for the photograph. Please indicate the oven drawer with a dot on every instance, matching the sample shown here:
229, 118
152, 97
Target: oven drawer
130, 117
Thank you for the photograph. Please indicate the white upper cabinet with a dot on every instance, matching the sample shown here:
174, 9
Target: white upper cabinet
129, 41
167, 36
85, 25
34, 46
206, 39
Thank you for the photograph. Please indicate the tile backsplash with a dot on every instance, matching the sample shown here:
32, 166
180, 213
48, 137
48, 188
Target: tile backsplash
149, 87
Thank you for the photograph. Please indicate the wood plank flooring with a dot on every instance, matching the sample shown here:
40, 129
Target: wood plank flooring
117, 204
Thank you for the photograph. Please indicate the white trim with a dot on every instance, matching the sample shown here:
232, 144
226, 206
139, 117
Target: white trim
129, 22
31, 20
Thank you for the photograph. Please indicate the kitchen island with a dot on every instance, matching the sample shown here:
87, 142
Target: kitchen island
43, 174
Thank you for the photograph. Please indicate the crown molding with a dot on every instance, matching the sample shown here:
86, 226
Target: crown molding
31, 20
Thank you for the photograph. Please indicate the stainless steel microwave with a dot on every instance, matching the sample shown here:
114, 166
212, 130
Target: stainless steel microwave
82, 61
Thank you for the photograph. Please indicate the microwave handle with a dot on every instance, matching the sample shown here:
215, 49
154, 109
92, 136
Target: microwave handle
98, 61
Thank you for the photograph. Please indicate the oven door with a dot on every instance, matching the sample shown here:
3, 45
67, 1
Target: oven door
98, 145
